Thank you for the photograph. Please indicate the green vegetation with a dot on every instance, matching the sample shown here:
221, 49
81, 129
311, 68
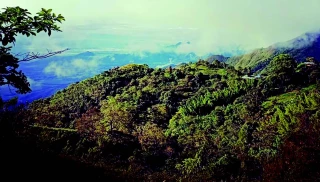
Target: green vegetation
299, 49
257, 58
197, 122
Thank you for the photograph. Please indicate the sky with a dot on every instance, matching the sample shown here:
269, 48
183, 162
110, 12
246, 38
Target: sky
210, 25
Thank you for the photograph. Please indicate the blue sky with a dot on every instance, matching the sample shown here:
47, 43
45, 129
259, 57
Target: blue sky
210, 25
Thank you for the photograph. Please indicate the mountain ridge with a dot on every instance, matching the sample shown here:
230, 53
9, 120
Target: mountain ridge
301, 47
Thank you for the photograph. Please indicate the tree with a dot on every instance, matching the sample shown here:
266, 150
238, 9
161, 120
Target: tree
311, 59
89, 124
216, 64
14, 21
282, 64
116, 115
281, 71
151, 137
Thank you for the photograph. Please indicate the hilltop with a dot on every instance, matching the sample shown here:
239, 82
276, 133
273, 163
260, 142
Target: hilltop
220, 58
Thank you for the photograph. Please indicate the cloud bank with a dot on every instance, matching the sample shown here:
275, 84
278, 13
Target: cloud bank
74, 68
211, 25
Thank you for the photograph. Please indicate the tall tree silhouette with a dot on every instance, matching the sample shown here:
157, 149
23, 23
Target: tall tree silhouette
15, 21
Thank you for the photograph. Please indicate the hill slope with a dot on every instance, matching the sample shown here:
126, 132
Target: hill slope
197, 121
306, 45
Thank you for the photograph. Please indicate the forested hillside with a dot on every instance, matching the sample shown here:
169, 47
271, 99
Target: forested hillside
306, 45
198, 122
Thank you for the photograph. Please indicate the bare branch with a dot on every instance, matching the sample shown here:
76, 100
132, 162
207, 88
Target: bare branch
31, 56
18, 54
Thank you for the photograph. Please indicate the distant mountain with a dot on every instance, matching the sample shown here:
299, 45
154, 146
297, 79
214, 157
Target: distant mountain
85, 54
220, 58
178, 44
306, 45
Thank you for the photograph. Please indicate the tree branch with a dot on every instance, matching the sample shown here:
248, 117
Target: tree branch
31, 56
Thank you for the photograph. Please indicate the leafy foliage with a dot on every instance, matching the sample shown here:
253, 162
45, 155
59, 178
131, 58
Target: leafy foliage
197, 121
15, 21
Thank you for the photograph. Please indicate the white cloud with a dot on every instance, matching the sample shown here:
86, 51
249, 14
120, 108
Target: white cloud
138, 47
59, 70
72, 68
82, 64
34, 84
